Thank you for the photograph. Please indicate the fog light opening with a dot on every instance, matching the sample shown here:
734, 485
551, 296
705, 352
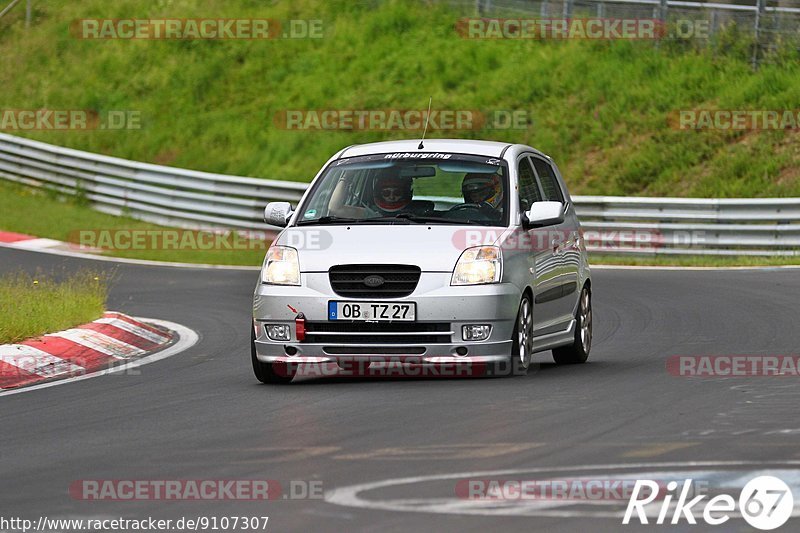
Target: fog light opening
290, 350
462, 351
476, 332
277, 332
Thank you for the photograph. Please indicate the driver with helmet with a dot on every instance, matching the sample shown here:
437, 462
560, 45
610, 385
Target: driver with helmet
483, 190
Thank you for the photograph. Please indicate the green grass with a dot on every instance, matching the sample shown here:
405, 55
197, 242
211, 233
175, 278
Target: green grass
34, 305
599, 108
43, 214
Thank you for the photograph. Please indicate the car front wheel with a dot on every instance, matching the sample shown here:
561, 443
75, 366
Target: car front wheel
522, 346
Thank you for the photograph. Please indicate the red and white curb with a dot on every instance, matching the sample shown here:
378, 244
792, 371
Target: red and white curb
96, 347
27, 242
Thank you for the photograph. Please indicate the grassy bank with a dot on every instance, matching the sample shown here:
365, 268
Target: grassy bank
42, 214
39, 304
599, 108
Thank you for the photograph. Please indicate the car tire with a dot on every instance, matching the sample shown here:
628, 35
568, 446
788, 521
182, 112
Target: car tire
578, 351
522, 339
271, 373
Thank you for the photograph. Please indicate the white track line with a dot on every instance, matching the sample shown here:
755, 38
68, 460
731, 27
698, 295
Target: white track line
186, 339
36, 244
125, 260
349, 496
695, 268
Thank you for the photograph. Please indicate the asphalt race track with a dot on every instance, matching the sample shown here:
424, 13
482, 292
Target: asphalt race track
201, 414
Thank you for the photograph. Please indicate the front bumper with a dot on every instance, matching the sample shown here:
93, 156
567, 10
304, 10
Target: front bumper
436, 302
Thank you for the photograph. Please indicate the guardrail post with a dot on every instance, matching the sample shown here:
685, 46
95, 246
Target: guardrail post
661, 14
483, 6
760, 5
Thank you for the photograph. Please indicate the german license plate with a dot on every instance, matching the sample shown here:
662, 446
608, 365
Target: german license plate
373, 311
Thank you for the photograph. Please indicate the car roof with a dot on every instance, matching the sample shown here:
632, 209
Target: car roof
457, 146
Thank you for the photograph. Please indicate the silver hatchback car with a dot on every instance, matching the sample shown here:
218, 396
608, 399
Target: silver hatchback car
442, 252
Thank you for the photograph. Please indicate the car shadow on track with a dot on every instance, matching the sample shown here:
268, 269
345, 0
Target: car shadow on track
332, 374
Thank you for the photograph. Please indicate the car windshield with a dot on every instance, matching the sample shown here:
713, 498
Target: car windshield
430, 188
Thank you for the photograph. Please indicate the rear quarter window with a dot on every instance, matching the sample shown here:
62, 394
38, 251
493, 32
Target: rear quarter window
547, 177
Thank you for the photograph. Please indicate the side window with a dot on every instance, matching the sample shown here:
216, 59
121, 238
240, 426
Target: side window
528, 189
547, 177
347, 193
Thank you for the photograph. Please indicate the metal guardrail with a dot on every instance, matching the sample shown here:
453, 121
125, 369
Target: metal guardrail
154, 193
193, 199
769, 25
8, 8
692, 226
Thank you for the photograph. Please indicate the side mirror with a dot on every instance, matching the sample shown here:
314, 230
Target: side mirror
278, 213
544, 214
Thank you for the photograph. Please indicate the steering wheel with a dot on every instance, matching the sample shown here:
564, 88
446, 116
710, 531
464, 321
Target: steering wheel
482, 212
462, 207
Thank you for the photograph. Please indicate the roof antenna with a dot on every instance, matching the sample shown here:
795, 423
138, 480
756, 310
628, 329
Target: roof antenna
427, 118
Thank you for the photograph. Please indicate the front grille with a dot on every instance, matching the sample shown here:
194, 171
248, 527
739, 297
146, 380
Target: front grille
398, 280
367, 350
406, 333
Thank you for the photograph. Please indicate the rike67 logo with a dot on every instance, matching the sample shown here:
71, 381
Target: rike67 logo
765, 503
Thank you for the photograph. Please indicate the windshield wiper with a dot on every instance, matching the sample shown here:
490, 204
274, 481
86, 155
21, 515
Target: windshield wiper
329, 219
401, 217
422, 219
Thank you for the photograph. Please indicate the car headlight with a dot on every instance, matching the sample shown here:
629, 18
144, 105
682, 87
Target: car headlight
477, 265
281, 266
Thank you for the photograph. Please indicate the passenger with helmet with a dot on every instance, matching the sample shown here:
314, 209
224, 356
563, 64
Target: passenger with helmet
392, 194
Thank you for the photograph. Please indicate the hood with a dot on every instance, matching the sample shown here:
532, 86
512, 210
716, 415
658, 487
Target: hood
433, 248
